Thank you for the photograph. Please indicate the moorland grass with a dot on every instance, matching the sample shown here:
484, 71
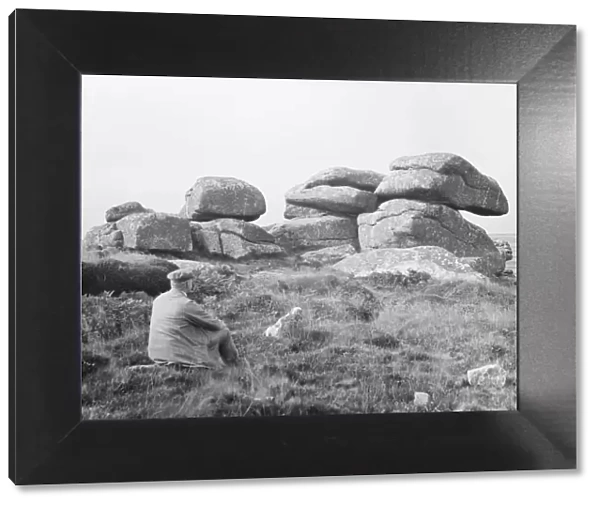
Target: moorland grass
366, 346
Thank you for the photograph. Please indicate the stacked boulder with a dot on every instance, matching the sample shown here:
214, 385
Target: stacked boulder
443, 178
338, 191
132, 226
231, 238
220, 210
323, 210
214, 197
419, 204
214, 221
329, 217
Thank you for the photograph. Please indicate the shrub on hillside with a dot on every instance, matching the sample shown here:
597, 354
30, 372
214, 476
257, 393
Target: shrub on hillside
105, 318
91, 362
214, 281
111, 275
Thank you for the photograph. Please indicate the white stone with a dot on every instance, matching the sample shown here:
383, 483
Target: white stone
487, 375
421, 399
284, 323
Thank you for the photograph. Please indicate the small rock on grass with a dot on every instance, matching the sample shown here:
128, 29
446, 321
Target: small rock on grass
421, 399
487, 375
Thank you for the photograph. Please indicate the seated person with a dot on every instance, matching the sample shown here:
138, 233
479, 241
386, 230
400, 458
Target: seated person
181, 332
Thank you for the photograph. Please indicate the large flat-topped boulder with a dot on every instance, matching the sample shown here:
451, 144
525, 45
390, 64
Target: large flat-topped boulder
439, 263
117, 212
234, 239
367, 180
305, 234
403, 223
214, 197
443, 178
334, 199
155, 231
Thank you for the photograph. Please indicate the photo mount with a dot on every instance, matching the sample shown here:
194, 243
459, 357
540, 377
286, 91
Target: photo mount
49, 53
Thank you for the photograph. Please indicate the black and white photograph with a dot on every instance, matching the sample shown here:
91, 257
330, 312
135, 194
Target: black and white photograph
259, 245
265, 247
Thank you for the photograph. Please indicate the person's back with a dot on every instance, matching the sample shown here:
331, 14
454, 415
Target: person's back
172, 338
182, 332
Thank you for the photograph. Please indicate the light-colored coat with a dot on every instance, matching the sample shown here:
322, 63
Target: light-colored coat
180, 331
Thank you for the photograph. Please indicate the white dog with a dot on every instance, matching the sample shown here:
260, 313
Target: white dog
284, 323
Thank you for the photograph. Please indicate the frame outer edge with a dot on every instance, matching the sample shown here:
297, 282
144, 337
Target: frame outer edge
67, 436
46, 142
547, 223
469, 39
12, 464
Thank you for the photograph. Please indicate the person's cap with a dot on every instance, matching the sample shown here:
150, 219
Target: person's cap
181, 275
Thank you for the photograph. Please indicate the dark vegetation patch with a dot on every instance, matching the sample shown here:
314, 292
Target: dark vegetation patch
265, 304
116, 276
310, 339
91, 363
398, 280
383, 340
362, 313
416, 356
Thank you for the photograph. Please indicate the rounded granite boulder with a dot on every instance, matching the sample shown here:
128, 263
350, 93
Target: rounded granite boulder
443, 178
214, 197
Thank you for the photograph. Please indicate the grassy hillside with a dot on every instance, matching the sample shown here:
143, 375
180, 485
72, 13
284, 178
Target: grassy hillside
366, 347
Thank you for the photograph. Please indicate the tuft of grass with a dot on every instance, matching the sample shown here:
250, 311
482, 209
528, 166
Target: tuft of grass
364, 346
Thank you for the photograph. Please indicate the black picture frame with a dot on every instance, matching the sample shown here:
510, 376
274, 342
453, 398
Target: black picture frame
51, 50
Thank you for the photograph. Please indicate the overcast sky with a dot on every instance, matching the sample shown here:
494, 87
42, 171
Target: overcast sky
149, 138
